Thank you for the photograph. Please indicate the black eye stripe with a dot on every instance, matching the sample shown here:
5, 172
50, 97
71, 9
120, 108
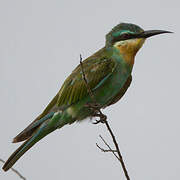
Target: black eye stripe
121, 37
125, 36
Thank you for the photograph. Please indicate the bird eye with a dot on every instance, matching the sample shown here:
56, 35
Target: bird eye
121, 37
125, 35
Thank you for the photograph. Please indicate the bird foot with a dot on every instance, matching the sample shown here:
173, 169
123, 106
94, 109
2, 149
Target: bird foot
95, 107
101, 120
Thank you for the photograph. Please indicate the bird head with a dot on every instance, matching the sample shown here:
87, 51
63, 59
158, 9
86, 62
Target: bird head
128, 39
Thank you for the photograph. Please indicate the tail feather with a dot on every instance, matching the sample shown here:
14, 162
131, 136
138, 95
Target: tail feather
27, 132
44, 129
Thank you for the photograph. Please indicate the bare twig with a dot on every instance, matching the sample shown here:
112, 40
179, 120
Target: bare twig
105, 150
118, 151
85, 80
15, 171
103, 119
109, 150
94, 105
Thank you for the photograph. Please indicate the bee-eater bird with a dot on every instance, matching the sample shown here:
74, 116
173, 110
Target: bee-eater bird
108, 74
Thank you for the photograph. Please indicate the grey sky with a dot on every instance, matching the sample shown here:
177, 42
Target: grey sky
40, 43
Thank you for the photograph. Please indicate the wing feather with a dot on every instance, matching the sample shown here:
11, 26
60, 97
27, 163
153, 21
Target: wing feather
97, 68
74, 88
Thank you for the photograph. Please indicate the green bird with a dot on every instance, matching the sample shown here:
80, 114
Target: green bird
108, 75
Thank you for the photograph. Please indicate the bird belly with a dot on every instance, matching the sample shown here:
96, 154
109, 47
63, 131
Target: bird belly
121, 92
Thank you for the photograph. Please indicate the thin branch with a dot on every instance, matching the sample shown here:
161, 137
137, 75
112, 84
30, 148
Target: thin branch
85, 80
105, 150
94, 106
109, 150
103, 119
118, 151
15, 171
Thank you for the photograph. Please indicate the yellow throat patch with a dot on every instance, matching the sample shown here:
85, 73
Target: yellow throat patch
129, 48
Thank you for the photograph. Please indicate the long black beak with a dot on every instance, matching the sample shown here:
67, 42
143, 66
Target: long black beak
144, 34
147, 34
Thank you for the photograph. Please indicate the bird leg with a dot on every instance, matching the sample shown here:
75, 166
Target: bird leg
102, 118
96, 112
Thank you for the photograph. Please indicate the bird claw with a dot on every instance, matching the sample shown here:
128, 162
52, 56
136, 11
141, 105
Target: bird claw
101, 120
98, 121
96, 112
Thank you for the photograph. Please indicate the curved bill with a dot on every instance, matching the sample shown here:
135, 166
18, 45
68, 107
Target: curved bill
147, 34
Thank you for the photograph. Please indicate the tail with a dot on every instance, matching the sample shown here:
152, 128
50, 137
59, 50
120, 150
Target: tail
44, 129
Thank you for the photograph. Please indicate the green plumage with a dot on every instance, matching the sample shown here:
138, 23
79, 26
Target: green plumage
108, 73
96, 68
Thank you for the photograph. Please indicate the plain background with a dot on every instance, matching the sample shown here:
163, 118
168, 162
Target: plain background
40, 43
